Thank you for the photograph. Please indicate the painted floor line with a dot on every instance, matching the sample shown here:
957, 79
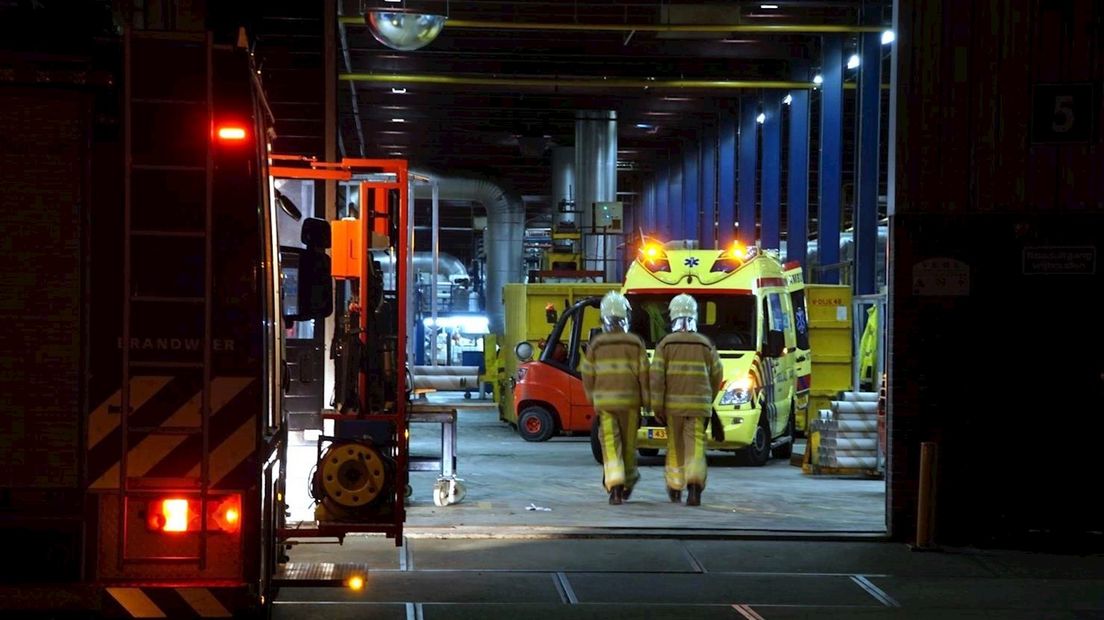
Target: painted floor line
875, 591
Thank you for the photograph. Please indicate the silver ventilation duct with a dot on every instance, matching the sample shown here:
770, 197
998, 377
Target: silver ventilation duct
503, 240
596, 174
563, 181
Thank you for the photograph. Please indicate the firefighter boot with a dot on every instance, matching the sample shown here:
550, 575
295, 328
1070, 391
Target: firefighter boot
617, 495
675, 495
693, 495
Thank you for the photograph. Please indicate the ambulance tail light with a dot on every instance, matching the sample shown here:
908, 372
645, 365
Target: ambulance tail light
181, 515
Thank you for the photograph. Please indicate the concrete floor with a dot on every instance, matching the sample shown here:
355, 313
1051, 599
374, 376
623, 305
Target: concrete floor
669, 578
489, 558
504, 474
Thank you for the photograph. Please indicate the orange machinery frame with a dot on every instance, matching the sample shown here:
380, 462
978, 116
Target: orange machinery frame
352, 261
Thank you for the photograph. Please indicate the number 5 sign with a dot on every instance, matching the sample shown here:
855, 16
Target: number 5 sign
1064, 113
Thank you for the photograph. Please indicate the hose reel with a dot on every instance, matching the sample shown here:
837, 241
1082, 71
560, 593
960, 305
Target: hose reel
351, 479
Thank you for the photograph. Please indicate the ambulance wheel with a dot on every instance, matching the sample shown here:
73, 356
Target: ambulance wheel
536, 424
758, 453
595, 441
648, 451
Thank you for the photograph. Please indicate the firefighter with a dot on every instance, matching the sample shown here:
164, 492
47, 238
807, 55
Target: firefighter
686, 373
615, 377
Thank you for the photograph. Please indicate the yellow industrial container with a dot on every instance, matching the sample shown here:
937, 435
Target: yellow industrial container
527, 321
830, 324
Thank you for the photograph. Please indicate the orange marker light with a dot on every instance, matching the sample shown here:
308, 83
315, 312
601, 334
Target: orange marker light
231, 133
355, 583
651, 251
175, 512
232, 516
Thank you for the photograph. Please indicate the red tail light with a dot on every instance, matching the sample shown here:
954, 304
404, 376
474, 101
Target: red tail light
178, 515
231, 133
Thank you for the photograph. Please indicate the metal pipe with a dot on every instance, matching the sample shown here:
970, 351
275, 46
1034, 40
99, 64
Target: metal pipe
349, 67
423, 78
505, 228
394, 78
436, 268
596, 175
476, 24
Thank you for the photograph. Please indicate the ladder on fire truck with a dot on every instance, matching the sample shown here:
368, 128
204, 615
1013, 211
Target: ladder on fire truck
151, 99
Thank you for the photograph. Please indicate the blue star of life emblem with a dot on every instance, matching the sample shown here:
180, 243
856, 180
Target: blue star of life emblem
691, 261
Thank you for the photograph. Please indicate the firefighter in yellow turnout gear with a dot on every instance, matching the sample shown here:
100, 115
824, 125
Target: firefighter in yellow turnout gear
615, 377
686, 374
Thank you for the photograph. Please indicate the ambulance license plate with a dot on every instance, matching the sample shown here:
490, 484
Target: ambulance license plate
657, 433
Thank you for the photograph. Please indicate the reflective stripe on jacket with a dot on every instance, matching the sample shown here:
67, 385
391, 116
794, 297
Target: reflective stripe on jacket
686, 374
615, 372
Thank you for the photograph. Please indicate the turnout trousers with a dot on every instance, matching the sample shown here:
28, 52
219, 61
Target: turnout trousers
685, 463
617, 431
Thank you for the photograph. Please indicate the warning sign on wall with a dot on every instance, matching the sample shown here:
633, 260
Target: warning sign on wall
944, 277
1059, 260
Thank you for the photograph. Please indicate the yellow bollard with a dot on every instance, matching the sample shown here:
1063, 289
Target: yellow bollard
925, 504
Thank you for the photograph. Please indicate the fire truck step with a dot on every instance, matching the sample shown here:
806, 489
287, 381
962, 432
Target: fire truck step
318, 574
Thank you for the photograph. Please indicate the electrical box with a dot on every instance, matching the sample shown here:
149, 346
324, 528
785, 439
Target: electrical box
609, 215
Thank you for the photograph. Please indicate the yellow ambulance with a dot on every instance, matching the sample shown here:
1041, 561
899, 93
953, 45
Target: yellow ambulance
746, 306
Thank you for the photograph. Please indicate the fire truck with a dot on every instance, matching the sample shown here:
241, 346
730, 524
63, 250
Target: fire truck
149, 287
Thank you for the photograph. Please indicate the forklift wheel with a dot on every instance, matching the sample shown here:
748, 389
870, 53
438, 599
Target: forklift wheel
536, 424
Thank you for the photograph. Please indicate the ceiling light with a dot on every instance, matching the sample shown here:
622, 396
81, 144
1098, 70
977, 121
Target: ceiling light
853, 61
404, 31
768, 6
398, 120
888, 37
643, 126
818, 79
762, 118
788, 99
398, 91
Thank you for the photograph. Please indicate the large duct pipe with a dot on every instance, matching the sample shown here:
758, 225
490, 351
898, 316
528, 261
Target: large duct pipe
503, 239
596, 174
563, 181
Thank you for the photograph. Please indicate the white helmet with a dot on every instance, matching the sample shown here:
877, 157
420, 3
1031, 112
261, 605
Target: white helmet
615, 311
683, 311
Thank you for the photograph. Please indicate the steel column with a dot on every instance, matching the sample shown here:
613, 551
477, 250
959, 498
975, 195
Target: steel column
662, 228
831, 156
797, 180
726, 180
647, 221
771, 196
707, 226
749, 109
691, 188
674, 210
866, 211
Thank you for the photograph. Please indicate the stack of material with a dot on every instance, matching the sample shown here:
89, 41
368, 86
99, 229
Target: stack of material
848, 433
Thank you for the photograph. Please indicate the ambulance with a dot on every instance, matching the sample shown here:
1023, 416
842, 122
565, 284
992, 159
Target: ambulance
746, 306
